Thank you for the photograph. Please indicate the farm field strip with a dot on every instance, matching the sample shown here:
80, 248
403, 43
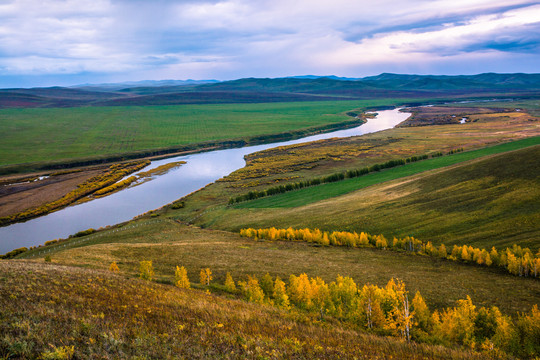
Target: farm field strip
59, 134
325, 191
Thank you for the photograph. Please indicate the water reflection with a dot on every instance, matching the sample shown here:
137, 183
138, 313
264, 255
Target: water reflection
199, 170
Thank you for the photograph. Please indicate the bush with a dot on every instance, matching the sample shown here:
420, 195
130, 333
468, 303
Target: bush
146, 270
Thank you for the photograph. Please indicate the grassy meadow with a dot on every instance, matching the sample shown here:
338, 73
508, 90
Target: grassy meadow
60, 134
374, 203
325, 191
62, 300
60, 312
478, 203
168, 244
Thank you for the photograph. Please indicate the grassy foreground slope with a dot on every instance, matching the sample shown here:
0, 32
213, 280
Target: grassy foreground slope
491, 201
37, 135
168, 244
56, 312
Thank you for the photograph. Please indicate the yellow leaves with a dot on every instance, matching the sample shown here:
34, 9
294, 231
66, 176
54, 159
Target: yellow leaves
181, 279
146, 270
229, 283
205, 276
518, 261
113, 267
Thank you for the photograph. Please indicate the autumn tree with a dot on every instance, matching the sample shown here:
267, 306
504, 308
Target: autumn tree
457, 324
528, 328
180, 278
113, 267
267, 285
252, 290
146, 270
422, 315
279, 294
205, 276
229, 283
442, 251
320, 294
343, 292
370, 302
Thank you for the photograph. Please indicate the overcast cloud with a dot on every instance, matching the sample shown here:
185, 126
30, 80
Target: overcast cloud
66, 42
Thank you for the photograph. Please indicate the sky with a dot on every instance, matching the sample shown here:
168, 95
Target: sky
69, 42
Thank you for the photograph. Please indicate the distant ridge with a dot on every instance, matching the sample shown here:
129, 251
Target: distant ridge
260, 90
154, 83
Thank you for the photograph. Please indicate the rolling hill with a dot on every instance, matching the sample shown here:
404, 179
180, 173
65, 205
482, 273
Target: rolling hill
259, 90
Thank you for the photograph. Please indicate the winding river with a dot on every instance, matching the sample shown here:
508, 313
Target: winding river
200, 170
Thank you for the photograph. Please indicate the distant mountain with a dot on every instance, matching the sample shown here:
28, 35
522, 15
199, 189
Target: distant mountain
296, 88
333, 77
143, 84
493, 81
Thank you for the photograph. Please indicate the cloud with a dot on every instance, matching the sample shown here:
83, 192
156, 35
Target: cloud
224, 39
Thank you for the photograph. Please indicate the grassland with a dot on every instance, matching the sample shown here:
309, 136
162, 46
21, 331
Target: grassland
60, 312
168, 244
377, 208
322, 192
532, 105
49, 135
481, 203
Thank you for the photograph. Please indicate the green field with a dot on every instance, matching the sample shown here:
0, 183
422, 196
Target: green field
325, 191
62, 297
491, 201
532, 106
47, 135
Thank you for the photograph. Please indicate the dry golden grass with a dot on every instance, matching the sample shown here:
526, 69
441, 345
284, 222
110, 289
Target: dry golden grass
169, 244
47, 309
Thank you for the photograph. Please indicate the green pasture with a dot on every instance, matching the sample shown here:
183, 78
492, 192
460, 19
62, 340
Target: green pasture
325, 191
46, 135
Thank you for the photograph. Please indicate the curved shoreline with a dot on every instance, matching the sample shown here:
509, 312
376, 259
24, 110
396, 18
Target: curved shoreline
162, 153
200, 170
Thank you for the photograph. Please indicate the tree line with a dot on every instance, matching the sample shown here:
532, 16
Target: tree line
279, 189
517, 260
384, 310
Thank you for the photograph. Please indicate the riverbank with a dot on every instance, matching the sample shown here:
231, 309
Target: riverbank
101, 180
200, 170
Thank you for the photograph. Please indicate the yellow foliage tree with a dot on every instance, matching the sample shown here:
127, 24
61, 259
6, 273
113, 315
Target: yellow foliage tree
180, 278
146, 270
113, 267
442, 251
422, 315
280, 296
267, 285
229, 283
205, 276
252, 290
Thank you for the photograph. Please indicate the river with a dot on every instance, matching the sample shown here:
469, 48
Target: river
200, 170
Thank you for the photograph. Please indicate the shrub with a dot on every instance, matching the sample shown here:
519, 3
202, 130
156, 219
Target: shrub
113, 267
146, 270
205, 276
180, 278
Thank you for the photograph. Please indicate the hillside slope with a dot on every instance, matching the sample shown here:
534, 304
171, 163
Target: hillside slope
57, 312
491, 201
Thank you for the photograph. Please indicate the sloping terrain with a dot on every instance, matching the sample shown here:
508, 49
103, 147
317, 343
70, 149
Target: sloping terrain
56, 312
492, 201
